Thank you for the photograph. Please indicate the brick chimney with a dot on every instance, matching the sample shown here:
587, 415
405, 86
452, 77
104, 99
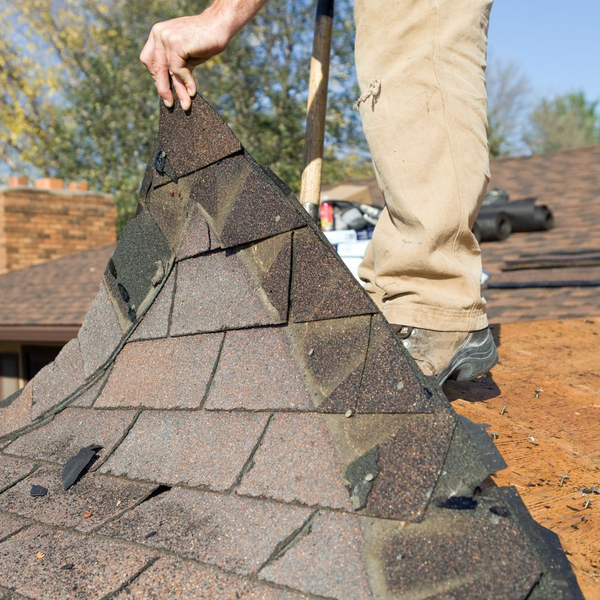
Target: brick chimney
48, 221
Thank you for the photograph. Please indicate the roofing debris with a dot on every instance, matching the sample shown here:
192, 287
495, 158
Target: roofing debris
259, 431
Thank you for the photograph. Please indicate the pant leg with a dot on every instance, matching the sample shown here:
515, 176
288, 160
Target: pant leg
426, 124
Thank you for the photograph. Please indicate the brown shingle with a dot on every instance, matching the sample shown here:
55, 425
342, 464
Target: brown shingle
226, 531
194, 448
56, 293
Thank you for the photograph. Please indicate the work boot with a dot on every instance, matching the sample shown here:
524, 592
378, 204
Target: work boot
458, 355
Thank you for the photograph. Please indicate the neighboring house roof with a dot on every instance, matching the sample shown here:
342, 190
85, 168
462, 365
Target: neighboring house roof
48, 302
369, 182
568, 181
260, 431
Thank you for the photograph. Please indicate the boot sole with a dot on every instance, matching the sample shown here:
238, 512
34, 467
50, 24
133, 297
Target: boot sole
473, 359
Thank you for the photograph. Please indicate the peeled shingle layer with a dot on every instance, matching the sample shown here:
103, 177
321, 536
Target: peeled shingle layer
263, 433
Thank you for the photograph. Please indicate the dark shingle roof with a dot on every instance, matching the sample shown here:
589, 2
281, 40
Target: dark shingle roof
53, 294
261, 433
568, 181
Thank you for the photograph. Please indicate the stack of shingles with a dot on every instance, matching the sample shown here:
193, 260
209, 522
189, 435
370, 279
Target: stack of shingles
576, 268
263, 434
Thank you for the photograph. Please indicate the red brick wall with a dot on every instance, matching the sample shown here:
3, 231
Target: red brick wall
38, 225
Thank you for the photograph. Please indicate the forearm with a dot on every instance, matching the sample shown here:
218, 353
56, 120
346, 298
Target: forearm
232, 15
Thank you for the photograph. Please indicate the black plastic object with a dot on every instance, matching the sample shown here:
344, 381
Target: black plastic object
77, 466
524, 215
492, 227
37, 491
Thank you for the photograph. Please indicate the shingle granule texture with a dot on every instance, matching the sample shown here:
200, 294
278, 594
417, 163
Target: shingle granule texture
87, 398
178, 579
9, 525
141, 249
226, 531
155, 324
16, 414
58, 380
315, 296
439, 563
194, 448
390, 383
71, 430
243, 204
196, 138
296, 462
226, 290
153, 374
196, 237
33, 562
100, 333
12, 470
84, 507
410, 463
328, 561
332, 354
270, 378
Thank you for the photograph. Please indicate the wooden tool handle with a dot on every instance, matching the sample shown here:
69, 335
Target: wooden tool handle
316, 110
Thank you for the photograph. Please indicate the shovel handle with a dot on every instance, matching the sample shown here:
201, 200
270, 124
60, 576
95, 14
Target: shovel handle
310, 191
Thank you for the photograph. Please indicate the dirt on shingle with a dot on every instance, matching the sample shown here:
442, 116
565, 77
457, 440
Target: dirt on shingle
549, 379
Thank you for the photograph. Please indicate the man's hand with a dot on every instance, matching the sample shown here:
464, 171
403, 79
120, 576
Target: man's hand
176, 47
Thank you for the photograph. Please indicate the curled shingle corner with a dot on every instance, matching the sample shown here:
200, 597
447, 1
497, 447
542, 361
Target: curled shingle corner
263, 432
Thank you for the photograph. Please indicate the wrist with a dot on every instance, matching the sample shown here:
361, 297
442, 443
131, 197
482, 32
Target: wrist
227, 17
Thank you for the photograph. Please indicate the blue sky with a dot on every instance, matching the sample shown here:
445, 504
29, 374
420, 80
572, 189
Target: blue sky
556, 43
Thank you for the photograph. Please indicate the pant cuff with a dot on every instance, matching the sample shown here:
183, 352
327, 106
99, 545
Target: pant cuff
427, 317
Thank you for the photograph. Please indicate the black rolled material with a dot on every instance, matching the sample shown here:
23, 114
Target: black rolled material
492, 226
524, 215
520, 285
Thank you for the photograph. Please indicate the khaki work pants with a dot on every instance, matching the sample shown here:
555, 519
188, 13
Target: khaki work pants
420, 66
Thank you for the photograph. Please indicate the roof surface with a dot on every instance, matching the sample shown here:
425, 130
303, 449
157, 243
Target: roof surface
568, 181
53, 294
257, 430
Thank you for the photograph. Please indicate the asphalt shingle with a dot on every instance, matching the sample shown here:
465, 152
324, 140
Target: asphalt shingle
170, 578
327, 561
152, 373
71, 430
297, 462
100, 333
85, 506
244, 205
194, 448
196, 238
263, 437
322, 287
194, 139
224, 290
45, 563
13, 470
270, 378
155, 323
225, 531
58, 380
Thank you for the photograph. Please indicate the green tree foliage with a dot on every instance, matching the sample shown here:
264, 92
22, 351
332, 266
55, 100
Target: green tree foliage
75, 101
568, 121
